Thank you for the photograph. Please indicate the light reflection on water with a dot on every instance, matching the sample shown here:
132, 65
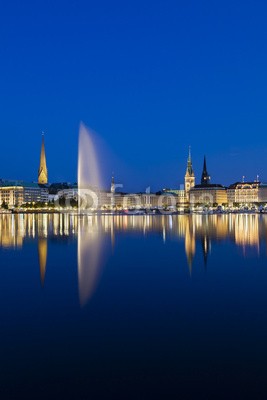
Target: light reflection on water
90, 257
92, 233
174, 304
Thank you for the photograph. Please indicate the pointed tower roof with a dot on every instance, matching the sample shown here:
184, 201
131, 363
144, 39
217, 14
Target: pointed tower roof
205, 178
189, 168
42, 172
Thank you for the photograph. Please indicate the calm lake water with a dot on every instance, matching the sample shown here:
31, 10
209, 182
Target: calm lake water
133, 307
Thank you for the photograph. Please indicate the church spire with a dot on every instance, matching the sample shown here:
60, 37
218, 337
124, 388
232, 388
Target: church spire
189, 179
189, 169
205, 178
42, 172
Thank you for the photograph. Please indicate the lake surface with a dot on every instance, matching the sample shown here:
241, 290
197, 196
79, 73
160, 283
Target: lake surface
133, 307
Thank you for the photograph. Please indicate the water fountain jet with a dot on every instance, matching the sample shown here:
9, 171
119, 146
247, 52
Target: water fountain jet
90, 239
89, 176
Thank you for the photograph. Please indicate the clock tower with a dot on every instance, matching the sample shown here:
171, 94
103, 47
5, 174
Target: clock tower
189, 179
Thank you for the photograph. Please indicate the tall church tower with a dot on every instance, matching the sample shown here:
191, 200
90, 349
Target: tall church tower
189, 179
205, 178
42, 173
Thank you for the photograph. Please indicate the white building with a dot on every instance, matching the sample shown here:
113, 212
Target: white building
16, 193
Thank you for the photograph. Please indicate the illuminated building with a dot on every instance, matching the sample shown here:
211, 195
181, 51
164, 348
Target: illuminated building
140, 200
11, 194
213, 194
16, 193
207, 194
33, 193
69, 194
262, 193
246, 193
42, 172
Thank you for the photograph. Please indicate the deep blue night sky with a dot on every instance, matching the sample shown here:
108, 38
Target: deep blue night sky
150, 77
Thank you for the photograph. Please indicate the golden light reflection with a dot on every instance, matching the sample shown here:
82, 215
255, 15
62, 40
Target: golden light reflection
190, 243
245, 230
42, 252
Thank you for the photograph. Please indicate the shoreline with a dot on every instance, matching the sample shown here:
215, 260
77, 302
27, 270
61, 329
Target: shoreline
131, 212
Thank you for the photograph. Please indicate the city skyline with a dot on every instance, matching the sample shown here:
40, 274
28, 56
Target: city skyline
149, 79
133, 199
42, 175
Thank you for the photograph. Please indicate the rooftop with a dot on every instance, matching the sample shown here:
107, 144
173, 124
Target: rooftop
17, 183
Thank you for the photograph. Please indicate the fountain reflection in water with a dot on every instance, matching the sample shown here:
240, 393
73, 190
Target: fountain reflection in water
96, 236
90, 239
90, 256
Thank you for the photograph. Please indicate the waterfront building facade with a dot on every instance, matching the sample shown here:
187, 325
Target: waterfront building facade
11, 195
68, 194
208, 195
246, 193
16, 193
33, 193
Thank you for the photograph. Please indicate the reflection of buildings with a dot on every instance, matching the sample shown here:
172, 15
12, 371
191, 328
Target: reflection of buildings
206, 247
11, 231
247, 230
242, 229
190, 243
42, 252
